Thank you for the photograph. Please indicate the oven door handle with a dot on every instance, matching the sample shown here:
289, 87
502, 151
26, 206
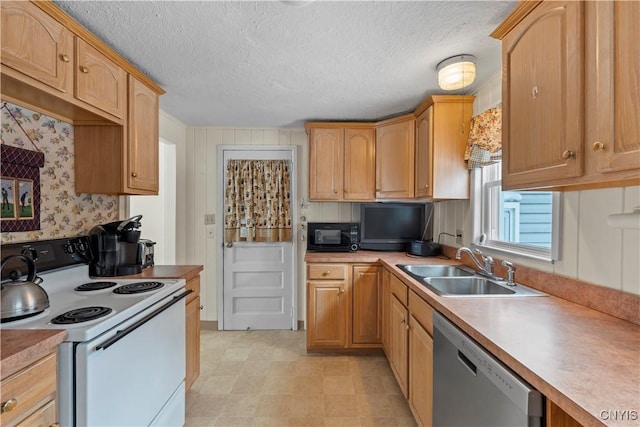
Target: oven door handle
124, 332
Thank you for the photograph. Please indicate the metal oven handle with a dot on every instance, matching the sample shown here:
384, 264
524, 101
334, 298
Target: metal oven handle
124, 332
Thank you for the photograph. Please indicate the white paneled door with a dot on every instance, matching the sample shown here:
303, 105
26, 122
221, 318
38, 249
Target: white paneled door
258, 289
258, 285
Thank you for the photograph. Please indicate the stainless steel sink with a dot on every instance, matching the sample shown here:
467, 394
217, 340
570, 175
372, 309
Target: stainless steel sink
422, 271
476, 286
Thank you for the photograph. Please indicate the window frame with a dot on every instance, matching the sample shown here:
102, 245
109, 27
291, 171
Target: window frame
482, 220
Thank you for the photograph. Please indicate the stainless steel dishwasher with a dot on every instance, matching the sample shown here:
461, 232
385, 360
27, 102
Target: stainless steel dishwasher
472, 388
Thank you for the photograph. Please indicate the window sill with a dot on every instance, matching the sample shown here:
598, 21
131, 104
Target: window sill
541, 254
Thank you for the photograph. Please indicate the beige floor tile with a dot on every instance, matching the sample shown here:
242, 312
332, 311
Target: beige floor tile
307, 385
248, 385
342, 421
336, 405
275, 406
338, 385
241, 404
266, 378
368, 385
227, 421
309, 406
278, 385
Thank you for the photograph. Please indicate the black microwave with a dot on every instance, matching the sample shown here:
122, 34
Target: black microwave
333, 237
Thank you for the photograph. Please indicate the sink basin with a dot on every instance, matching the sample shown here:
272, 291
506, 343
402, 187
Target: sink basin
476, 286
421, 271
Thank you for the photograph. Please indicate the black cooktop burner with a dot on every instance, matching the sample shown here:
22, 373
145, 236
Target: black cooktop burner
95, 286
138, 288
83, 314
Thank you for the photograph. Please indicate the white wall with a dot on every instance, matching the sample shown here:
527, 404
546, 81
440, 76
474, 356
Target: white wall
590, 250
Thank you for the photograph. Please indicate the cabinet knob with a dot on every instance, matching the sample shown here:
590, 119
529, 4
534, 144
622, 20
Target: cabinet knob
341, 291
201, 307
534, 92
84, 69
326, 273
408, 327
402, 320
134, 174
9, 405
64, 58
426, 186
568, 154
598, 146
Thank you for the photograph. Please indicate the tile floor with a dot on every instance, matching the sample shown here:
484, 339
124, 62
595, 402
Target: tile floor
266, 378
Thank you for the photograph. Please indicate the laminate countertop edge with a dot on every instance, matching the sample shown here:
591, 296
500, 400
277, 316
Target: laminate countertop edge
21, 347
585, 361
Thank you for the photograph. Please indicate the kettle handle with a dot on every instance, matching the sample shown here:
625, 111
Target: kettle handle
124, 223
31, 272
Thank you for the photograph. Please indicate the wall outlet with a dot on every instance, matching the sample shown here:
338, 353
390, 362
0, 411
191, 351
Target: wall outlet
458, 237
211, 232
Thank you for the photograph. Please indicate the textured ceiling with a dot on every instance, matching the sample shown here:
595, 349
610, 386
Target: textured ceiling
278, 64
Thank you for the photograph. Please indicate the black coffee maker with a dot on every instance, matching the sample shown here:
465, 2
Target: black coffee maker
114, 248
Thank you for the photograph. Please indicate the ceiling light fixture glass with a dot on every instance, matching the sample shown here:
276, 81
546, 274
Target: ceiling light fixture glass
456, 72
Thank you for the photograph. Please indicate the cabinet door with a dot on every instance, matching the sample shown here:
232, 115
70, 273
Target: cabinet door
386, 307
327, 314
99, 81
398, 343
192, 314
424, 133
326, 164
143, 143
613, 85
36, 45
359, 164
395, 150
367, 300
542, 124
420, 373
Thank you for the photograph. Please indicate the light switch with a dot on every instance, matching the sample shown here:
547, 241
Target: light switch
209, 219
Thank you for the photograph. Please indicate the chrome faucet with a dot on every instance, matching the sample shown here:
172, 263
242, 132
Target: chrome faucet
486, 269
511, 272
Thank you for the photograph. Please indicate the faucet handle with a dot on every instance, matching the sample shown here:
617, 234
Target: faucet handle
511, 272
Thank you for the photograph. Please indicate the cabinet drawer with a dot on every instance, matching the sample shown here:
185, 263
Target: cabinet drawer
326, 271
422, 311
193, 284
399, 289
44, 416
30, 388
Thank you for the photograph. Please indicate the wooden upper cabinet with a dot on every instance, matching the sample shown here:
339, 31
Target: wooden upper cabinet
143, 143
395, 158
424, 157
359, 164
36, 45
613, 87
341, 161
99, 81
442, 131
542, 96
326, 163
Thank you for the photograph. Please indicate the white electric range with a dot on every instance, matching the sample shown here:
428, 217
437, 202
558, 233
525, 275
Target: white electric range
122, 362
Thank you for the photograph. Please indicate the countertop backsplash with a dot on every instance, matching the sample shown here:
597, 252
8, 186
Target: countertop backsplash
63, 213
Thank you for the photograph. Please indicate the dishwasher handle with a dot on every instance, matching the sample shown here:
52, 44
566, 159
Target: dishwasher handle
467, 363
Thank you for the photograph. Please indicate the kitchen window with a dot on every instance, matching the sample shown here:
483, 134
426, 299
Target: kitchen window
519, 222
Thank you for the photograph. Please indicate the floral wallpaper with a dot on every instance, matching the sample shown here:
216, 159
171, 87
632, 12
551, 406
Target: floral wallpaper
63, 213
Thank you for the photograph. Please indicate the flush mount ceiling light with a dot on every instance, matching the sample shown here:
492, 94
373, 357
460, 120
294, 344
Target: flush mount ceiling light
456, 72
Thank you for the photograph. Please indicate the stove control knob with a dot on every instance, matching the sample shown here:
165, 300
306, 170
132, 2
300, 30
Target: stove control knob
68, 248
30, 252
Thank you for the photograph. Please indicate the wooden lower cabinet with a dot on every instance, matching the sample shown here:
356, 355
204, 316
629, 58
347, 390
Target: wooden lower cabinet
327, 314
192, 334
33, 389
344, 306
367, 301
420, 373
399, 343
